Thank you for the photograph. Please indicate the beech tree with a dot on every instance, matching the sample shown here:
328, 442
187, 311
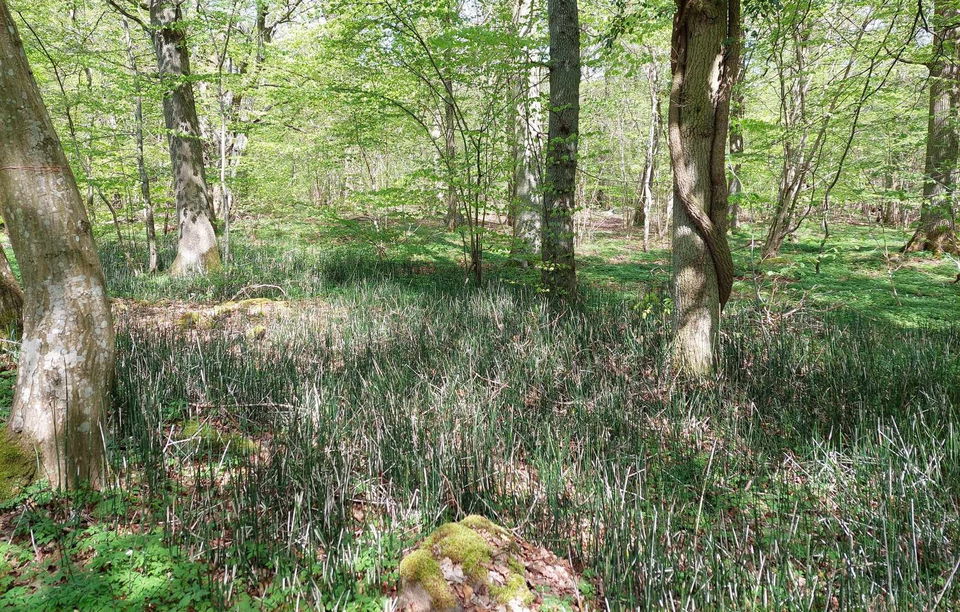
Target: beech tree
559, 269
937, 231
704, 62
67, 352
197, 250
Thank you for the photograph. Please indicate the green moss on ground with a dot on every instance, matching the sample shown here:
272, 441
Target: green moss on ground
463, 545
207, 439
514, 589
420, 567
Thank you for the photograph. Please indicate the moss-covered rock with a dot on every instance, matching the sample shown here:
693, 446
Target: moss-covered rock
202, 438
17, 466
420, 569
476, 564
195, 320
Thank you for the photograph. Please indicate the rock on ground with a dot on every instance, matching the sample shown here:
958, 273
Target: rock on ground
477, 565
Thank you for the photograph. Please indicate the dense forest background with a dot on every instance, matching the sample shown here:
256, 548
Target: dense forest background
335, 113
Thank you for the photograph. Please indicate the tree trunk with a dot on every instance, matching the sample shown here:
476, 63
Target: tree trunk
653, 149
559, 271
148, 221
67, 354
11, 298
736, 149
453, 218
704, 32
527, 204
197, 250
937, 231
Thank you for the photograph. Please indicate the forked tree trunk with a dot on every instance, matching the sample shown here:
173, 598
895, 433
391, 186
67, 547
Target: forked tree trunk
197, 251
11, 298
67, 354
704, 62
528, 200
559, 270
938, 217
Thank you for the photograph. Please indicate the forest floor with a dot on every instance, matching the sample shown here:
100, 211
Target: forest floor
285, 429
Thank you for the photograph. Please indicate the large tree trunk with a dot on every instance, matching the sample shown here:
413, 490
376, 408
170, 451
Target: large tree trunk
11, 298
67, 354
527, 199
559, 271
704, 61
938, 217
197, 250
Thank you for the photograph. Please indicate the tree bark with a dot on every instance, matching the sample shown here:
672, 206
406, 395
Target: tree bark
937, 231
11, 298
557, 238
527, 198
197, 251
148, 221
704, 62
452, 217
67, 354
654, 131
736, 149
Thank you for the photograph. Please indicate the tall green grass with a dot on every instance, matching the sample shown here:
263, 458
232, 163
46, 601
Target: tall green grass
820, 468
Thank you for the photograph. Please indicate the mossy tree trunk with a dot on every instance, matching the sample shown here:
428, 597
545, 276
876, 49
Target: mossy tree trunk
704, 62
938, 217
67, 353
557, 238
197, 251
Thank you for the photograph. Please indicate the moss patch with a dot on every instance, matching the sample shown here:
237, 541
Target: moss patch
17, 467
462, 545
207, 439
195, 320
514, 589
420, 567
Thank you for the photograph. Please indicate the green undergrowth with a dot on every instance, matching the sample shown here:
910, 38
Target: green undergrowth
819, 466
818, 471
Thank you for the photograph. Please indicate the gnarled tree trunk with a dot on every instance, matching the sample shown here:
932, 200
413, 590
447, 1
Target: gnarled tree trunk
704, 62
197, 250
67, 354
938, 217
559, 270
